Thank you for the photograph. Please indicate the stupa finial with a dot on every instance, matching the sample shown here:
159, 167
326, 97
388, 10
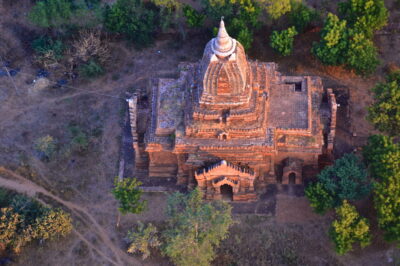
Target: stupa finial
223, 44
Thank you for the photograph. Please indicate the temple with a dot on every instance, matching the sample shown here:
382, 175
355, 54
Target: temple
232, 124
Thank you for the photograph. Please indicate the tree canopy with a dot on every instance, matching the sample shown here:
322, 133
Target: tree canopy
133, 19
195, 228
23, 219
345, 180
283, 41
384, 113
383, 159
349, 228
128, 194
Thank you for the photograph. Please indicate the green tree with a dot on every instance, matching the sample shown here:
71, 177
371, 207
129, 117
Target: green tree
384, 113
349, 228
170, 12
365, 15
194, 19
301, 16
332, 48
375, 153
361, 55
320, 199
383, 159
345, 180
53, 224
283, 41
195, 228
132, 19
276, 8
143, 239
128, 194
51, 13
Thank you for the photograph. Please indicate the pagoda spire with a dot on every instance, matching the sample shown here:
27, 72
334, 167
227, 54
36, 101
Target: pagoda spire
223, 44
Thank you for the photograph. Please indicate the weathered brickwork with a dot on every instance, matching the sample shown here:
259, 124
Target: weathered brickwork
228, 122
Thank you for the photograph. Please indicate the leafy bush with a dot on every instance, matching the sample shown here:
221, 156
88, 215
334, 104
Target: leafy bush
91, 69
345, 180
277, 8
170, 12
143, 239
333, 45
383, 159
349, 228
79, 139
384, 113
45, 147
361, 55
132, 19
366, 16
301, 16
195, 228
51, 13
44, 45
53, 224
193, 18
23, 219
283, 41
128, 194
319, 197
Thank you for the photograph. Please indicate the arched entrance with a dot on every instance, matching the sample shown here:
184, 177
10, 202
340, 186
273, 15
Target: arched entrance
226, 192
292, 178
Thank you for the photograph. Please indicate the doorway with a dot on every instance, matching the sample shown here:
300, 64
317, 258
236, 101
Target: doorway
292, 178
226, 192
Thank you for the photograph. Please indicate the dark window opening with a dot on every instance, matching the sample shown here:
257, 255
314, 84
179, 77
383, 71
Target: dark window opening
297, 86
292, 178
224, 137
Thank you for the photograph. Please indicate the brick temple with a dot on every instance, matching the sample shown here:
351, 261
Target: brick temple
231, 125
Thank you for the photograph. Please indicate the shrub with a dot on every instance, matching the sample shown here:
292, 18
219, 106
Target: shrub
79, 139
24, 219
90, 46
349, 228
301, 16
243, 34
91, 69
346, 180
361, 55
44, 45
333, 45
132, 19
128, 194
320, 199
170, 12
195, 228
383, 159
143, 239
193, 18
45, 147
51, 13
384, 113
277, 8
365, 15
283, 41
53, 224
